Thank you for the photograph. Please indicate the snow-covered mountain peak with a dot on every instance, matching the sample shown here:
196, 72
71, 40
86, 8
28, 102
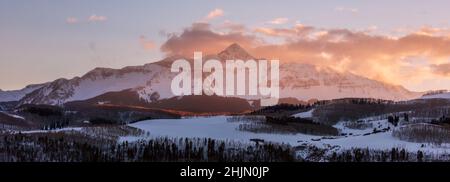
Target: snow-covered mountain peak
152, 82
167, 62
305, 81
15, 95
98, 81
96, 72
235, 51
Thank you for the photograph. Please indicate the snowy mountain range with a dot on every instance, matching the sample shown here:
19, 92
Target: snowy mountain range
15, 95
304, 81
152, 83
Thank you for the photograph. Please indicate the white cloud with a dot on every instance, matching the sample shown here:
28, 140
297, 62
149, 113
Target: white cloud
214, 14
72, 20
279, 21
97, 18
346, 9
232, 26
372, 28
145, 43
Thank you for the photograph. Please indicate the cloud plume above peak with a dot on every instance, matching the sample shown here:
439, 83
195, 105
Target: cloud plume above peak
441, 69
380, 57
200, 37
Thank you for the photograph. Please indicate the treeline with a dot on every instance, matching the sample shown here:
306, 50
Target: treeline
53, 125
41, 110
49, 117
368, 155
73, 147
77, 147
288, 125
431, 112
423, 133
45, 117
287, 107
282, 107
442, 120
285, 120
435, 92
332, 111
356, 101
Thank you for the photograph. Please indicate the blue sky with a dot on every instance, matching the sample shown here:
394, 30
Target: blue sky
38, 44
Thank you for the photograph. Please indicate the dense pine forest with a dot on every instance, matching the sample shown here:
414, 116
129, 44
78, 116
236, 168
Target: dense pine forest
75, 147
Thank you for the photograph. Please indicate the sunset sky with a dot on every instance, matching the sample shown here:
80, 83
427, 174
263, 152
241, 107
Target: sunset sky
404, 42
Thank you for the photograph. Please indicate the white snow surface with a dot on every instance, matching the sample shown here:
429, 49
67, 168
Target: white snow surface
307, 114
218, 127
211, 127
13, 115
146, 80
304, 81
301, 81
437, 96
15, 95
89, 88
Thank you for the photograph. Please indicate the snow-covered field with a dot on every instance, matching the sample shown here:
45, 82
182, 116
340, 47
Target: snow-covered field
13, 115
211, 127
307, 114
219, 128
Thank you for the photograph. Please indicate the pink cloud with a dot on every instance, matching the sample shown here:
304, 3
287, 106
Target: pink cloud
200, 37
72, 20
145, 43
379, 57
346, 9
278, 21
441, 69
97, 18
214, 14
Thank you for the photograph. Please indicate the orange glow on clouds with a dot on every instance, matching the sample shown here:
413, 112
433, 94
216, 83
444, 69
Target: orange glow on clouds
377, 57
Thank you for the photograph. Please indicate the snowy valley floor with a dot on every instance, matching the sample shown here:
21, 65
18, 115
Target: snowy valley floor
218, 127
376, 139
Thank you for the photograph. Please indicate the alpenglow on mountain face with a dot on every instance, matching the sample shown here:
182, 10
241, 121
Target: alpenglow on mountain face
234, 51
152, 82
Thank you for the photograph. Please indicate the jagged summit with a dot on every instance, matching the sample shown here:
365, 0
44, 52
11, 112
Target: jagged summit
232, 52
235, 51
167, 62
98, 71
